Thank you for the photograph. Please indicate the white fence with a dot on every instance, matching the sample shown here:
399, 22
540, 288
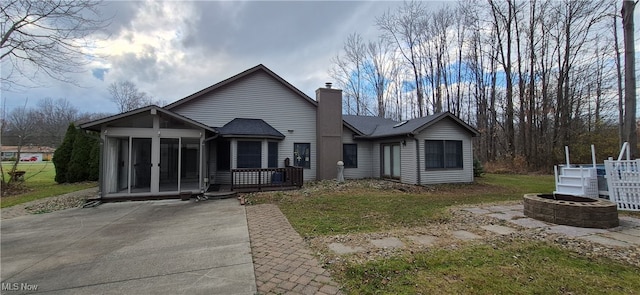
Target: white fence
623, 180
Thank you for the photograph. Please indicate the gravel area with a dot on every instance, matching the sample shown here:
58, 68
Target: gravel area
61, 202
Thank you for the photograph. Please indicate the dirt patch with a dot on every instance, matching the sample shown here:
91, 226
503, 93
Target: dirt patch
14, 188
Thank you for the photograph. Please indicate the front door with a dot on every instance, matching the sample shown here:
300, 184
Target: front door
169, 160
141, 165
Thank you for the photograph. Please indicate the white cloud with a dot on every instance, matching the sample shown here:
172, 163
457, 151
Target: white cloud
173, 49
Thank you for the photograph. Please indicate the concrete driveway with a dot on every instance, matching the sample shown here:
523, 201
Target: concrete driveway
155, 247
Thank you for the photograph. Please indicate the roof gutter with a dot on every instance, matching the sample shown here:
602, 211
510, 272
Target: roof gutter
252, 136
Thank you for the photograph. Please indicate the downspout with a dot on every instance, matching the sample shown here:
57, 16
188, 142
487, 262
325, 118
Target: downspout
418, 161
101, 188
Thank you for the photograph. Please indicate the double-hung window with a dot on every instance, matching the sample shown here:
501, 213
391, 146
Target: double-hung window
443, 154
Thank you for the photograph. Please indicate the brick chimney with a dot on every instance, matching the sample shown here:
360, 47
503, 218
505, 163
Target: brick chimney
328, 131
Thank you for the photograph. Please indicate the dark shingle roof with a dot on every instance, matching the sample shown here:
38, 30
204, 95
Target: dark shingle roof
366, 125
376, 127
249, 128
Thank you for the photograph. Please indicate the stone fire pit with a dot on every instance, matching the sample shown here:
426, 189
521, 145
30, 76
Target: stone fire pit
571, 210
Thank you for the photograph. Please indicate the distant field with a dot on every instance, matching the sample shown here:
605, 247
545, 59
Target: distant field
39, 183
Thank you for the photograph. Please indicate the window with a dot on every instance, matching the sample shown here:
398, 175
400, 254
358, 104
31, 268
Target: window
273, 155
249, 154
350, 155
223, 156
302, 155
443, 154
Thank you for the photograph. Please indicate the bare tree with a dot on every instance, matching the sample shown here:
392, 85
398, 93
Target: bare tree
503, 22
127, 96
54, 116
45, 38
531, 75
348, 70
404, 29
378, 72
22, 125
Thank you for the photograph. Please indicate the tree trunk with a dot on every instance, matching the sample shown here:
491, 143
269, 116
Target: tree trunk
616, 45
629, 78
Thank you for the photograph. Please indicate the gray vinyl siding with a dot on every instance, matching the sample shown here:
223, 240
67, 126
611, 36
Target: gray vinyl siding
376, 157
447, 130
365, 157
259, 96
408, 172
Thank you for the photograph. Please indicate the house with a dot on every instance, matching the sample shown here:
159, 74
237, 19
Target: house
28, 153
255, 130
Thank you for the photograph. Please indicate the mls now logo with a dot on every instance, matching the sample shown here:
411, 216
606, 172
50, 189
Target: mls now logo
18, 287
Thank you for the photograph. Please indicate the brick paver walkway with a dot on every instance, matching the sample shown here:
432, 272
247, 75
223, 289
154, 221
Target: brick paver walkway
283, 264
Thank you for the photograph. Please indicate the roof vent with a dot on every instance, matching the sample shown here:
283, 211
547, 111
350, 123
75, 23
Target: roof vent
400, 124
328, 85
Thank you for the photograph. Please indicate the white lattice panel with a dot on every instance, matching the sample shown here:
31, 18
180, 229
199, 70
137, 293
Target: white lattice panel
623, 180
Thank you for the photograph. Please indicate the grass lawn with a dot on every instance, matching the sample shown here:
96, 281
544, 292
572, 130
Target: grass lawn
508, 268
349, 209
511, 266
39, 183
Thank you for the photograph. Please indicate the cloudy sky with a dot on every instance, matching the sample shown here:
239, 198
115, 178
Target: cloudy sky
175, 48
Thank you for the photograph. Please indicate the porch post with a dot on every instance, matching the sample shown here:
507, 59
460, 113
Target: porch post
201, 161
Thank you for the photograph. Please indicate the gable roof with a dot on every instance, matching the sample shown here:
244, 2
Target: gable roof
256, 128
96, 124
238, 77
369, 127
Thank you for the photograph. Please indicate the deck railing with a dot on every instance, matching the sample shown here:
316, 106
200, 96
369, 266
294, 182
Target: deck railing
266, 178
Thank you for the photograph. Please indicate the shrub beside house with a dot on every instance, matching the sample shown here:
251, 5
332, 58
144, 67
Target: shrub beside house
75, 159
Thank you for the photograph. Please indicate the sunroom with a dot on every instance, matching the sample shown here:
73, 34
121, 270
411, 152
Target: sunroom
151, 152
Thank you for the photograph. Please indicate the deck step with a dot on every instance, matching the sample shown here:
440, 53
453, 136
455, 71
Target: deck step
569, 189
575, 180
578, 172
220, 195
